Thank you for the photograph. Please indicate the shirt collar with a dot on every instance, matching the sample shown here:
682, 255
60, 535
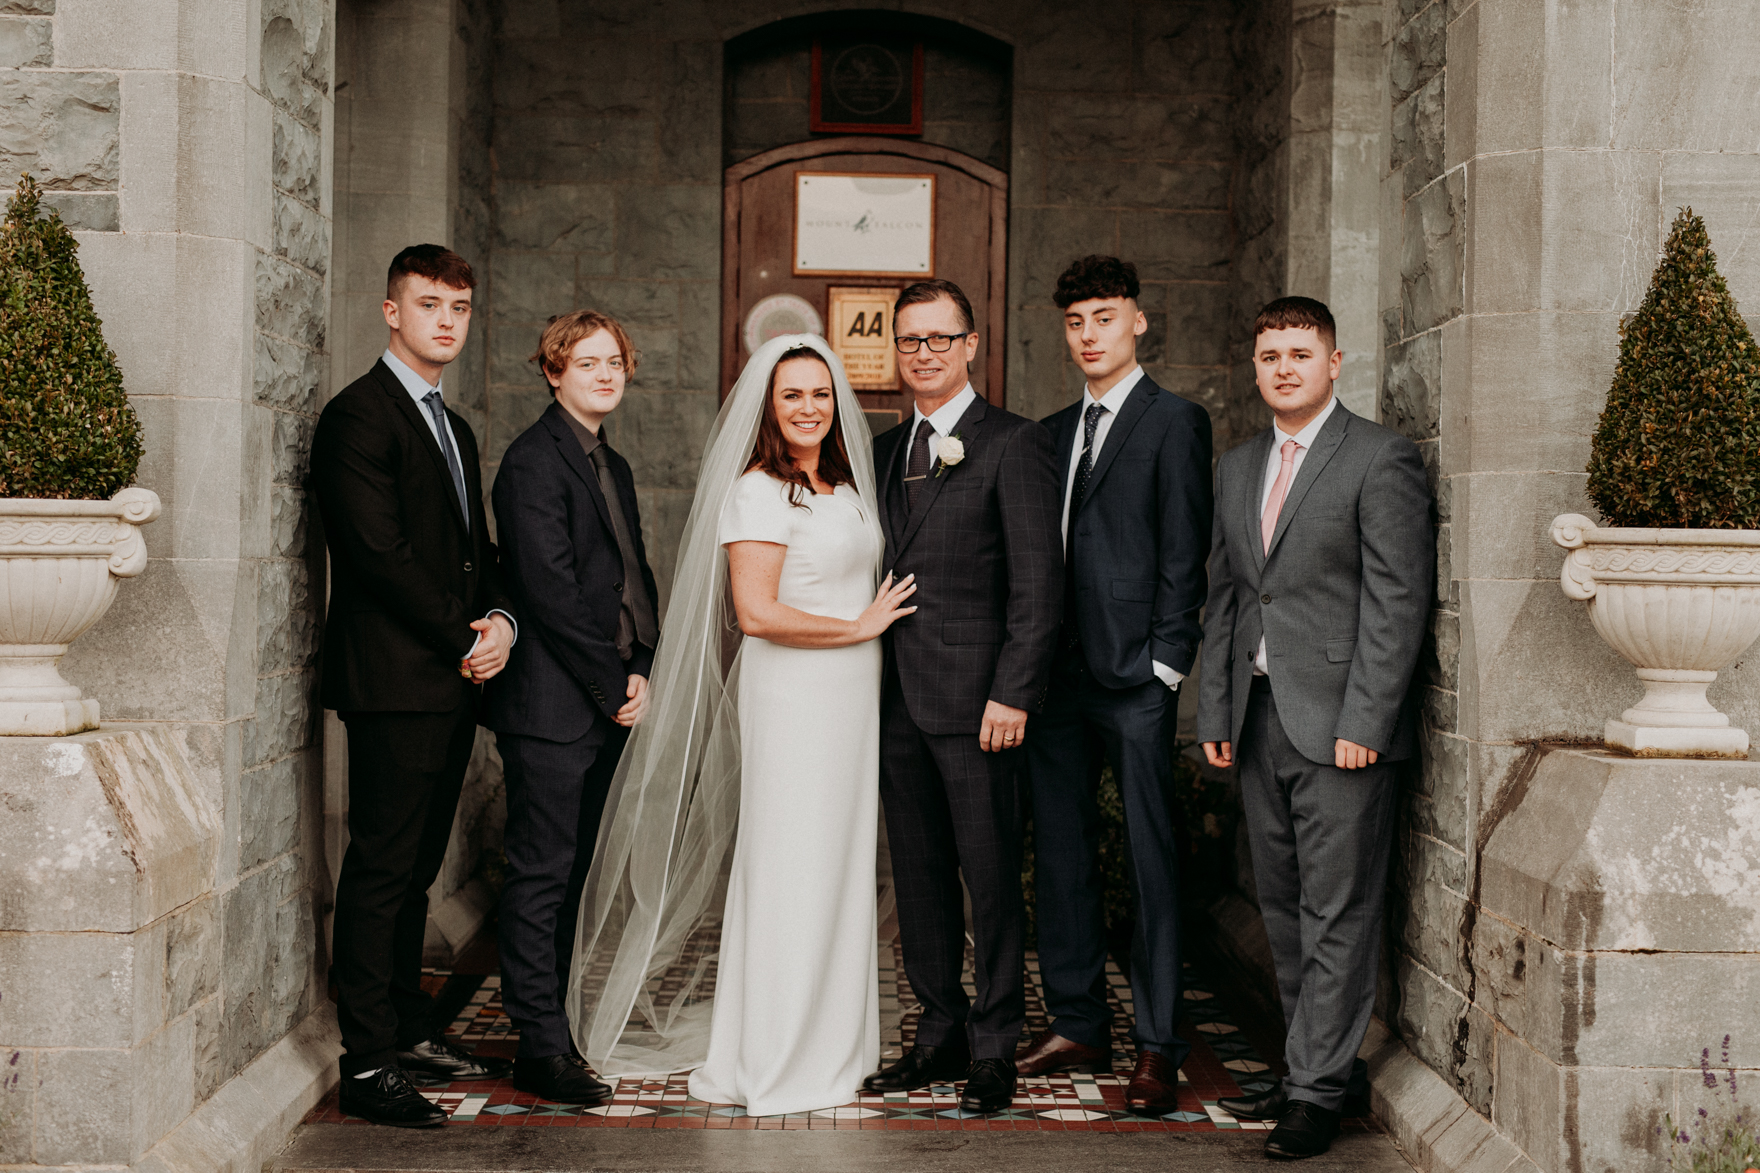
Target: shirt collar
1305, 437
417, 386
947, 416
588, 439
1113, 400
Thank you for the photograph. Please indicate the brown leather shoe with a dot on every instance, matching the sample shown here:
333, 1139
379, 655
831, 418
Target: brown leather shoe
1154, 1086
1052, 1052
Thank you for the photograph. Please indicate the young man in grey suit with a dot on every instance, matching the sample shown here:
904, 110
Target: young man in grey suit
1320, 577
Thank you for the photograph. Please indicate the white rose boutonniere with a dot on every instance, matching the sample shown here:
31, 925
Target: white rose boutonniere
952, 451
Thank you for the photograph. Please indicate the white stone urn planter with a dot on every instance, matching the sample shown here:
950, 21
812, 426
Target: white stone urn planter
59, 562
1681, 605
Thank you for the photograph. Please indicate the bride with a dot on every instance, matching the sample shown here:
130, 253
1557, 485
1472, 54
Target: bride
746, 806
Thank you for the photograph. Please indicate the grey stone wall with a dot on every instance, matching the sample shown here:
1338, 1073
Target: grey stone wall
1535, 164
203, 218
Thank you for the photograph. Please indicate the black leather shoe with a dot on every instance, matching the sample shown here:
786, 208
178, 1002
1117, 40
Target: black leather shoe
989, 1087
561, 1079
1304, 1130
1264, 1106
388, 1097
436, 1058
920, 1067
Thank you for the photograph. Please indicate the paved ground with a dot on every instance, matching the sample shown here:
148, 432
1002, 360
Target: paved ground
468, 1150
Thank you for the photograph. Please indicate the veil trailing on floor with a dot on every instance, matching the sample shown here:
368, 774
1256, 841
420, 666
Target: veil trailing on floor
640, 990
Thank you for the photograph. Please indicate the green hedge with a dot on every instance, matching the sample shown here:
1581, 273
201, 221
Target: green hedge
1679, 442
66, 428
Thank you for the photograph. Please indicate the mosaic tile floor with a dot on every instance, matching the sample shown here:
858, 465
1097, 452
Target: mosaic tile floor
1222, 1063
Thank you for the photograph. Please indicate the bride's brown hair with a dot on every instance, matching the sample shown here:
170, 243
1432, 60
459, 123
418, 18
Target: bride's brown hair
770, 453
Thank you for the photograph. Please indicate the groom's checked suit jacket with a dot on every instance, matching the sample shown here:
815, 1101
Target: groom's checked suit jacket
983, 543
1341, 600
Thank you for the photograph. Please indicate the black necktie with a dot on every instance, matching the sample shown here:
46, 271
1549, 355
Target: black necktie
917, 471
635, 620
1084, 466
437, 409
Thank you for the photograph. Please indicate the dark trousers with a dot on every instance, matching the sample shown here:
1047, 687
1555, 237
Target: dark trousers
1320, 838
405, 772
951, 808
555, 795
1084, 724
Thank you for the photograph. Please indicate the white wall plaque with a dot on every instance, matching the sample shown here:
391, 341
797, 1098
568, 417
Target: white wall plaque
880, 225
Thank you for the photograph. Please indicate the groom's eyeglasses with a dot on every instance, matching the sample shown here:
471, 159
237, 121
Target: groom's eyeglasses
939, 343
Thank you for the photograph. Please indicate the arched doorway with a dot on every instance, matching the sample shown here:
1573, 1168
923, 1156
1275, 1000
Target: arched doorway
969, 244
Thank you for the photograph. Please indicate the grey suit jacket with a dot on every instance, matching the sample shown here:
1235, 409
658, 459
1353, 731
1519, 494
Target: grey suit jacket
1342, 598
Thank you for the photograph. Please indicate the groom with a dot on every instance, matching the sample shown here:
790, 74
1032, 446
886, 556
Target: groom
969, 504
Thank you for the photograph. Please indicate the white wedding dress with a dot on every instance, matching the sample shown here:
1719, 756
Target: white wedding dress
796, 1022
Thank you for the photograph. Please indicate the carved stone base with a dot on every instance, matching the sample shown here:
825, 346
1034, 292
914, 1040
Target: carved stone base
47, 718
1650, 741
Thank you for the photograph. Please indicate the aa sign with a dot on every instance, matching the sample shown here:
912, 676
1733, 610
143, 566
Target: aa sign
859, 328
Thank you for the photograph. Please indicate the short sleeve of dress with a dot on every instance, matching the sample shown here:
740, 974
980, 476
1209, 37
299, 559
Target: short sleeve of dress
757, 511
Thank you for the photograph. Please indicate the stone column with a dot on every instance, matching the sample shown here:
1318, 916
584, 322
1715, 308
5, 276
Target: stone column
160, 980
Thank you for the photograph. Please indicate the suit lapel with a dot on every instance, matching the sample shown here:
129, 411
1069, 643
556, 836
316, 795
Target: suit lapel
569, 445
389, 382
1135, 404
891, 489
1063, 427
1254, 488
1313, 464
966, 429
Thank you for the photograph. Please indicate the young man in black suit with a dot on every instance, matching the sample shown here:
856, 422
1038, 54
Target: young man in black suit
571, 543
1136, 508
417, 621
968, 503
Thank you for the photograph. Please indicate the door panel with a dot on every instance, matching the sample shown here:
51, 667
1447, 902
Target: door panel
970, 244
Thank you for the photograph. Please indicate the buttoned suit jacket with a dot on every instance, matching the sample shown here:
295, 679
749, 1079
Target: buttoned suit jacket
1141, 535
984, 544
565, 573
407, 577
1342, 599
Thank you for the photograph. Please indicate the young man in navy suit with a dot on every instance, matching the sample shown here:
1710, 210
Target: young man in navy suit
572, 554
1136, 488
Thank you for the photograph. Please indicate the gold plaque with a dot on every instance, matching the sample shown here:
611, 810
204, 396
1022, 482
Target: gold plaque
859, 327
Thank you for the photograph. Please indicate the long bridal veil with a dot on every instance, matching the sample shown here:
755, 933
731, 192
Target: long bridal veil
641, 986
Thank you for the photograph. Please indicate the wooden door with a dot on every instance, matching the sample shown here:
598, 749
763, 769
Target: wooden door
970, 246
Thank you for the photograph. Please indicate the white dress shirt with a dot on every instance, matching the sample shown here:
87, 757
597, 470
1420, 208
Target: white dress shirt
945, 419
1273, 465
419, 389
1113, 402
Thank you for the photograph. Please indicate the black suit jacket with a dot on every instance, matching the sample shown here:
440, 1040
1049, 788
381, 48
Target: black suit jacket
407, 578
565, 574
1141, 535
984, 545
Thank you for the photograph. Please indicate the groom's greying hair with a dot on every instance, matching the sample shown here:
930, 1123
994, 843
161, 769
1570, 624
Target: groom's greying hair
935, 289
1096, 278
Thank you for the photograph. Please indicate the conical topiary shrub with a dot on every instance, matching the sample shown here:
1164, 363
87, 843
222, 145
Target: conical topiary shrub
66, 428
1678, 445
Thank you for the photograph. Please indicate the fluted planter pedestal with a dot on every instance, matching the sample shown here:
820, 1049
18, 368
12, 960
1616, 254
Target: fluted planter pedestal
1681, 605
59, 564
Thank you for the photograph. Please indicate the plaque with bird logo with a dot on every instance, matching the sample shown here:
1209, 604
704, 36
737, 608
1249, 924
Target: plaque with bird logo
866, 85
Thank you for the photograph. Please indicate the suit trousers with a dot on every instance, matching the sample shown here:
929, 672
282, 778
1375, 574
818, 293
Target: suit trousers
1084, 725
405, 772
1320, 838
556, 794
951, 810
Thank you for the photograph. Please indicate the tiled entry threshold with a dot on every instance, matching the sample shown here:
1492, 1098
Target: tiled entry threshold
1222, 1063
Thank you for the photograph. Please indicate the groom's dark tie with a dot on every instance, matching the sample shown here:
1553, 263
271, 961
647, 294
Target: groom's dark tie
917, 470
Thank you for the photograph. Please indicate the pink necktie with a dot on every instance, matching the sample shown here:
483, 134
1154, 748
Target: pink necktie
1279, 488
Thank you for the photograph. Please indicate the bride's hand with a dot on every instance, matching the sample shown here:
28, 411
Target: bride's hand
886, 607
